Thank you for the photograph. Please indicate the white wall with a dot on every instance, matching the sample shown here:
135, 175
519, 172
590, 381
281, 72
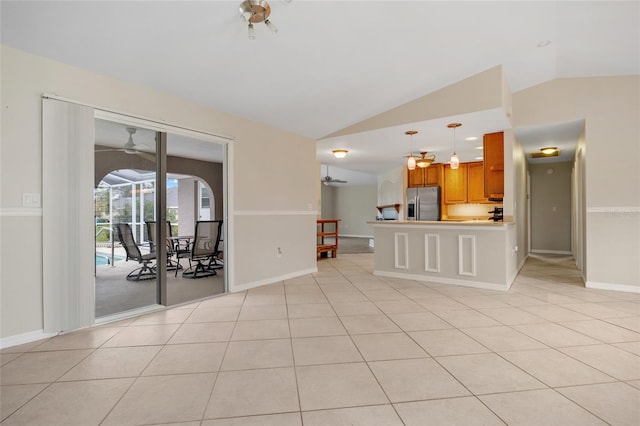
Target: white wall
391, 189
275, 199
610, 107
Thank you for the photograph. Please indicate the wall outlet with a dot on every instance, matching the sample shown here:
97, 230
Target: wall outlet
30, 199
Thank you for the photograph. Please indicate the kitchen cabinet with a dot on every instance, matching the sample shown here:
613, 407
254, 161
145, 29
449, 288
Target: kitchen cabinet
428, 176
475, 182
493, 147
465, 184
455, 184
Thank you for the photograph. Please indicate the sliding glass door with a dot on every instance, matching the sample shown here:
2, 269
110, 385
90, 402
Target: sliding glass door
134, 186
118, 192
126, 200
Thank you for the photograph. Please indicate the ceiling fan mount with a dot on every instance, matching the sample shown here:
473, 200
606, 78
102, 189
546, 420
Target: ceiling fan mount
130, 147
328, 179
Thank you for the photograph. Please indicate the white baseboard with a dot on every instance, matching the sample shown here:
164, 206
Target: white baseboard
613, 287
355, 236
540, 251
248, 286
21, 339
440, 280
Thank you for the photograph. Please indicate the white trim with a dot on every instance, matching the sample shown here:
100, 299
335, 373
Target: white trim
21, 212
397, 247
542, 251
613, 287
442, 280
614, 211
355, 236
21, 339
253, 284
461, 258
275, 212
131, 118
457, 227
427, 248
132, 313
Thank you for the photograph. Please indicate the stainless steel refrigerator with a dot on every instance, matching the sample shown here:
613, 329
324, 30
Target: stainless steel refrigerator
423, 203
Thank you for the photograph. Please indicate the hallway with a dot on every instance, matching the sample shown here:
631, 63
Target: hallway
342, 346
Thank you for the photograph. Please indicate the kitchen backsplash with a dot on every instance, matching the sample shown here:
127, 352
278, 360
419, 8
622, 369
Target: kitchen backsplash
471, 210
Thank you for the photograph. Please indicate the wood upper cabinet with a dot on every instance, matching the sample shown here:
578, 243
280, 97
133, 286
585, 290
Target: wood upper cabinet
455, 184
493, 147
475, 182
429, 176
433, 174
416, 177
465, 184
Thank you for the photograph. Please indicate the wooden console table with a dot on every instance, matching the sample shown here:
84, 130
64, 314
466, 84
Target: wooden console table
322, 246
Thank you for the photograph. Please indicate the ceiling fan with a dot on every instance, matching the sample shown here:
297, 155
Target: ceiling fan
130, 147
425, 160
328, 179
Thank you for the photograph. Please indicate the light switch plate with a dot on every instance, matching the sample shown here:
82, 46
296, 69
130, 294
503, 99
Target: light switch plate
30, 199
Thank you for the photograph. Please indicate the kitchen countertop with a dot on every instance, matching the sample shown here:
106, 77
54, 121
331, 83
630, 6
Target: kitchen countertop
449, 222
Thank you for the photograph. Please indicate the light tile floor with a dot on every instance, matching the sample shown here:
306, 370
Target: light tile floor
344, 347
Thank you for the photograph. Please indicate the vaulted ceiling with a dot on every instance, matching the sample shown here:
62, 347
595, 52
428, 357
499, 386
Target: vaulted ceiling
332, 63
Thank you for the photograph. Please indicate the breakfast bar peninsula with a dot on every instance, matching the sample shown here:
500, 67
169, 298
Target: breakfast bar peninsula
473, 253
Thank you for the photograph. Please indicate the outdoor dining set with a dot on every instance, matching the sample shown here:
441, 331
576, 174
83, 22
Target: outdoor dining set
202, 250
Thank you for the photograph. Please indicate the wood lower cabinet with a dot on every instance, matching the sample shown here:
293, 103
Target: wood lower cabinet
465, 184
493, 147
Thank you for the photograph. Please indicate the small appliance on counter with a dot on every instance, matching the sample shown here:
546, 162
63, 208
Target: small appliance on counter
497, 214
423, 203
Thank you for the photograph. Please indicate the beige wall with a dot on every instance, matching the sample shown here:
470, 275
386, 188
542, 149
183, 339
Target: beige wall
328, 202
355, 206
516, 173
551, 207
480, 92
278, 193
610, 107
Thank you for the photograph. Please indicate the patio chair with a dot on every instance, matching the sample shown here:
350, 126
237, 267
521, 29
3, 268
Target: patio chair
171, 250
147, 271
204, 250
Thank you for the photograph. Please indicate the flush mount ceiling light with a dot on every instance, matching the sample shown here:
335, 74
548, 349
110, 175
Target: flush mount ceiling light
411, 162
254, 12
425, 160
340, 153
548, 150
455, 161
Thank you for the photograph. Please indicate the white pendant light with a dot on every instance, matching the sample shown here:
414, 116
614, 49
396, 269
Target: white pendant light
411, 162
455, 161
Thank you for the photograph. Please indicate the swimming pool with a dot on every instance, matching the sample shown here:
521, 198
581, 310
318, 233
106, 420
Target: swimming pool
104, 259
